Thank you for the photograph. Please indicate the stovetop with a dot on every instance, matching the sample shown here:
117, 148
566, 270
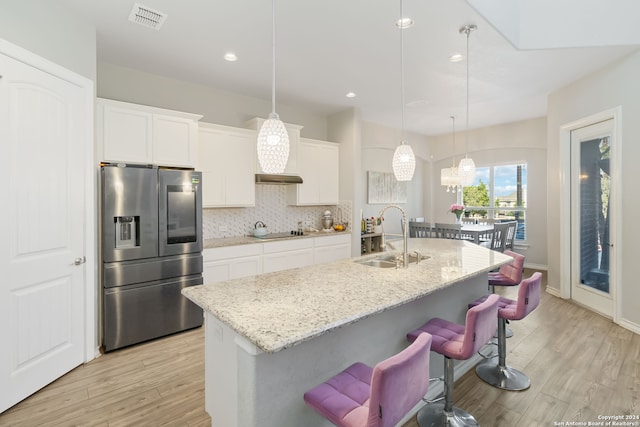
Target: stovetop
283, 235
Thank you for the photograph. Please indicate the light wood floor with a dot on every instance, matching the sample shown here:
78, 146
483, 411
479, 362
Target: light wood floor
581, 365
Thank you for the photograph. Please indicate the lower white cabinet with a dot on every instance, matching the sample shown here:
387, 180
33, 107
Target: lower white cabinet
286, 254
332, 248
231, 262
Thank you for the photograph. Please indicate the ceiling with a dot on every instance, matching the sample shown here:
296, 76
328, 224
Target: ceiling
330, 47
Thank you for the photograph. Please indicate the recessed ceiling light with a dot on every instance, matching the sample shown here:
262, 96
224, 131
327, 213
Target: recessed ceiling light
350, 95
403, 23
230, 56
456, 57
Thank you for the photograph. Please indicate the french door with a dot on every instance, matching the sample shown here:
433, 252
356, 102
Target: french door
44, 140
591, 212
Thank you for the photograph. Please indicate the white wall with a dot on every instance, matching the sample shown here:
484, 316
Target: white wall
615, 85
44, 28
523, 141
216, 105
345, 128
378, 145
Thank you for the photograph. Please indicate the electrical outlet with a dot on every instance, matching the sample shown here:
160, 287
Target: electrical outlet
222, 228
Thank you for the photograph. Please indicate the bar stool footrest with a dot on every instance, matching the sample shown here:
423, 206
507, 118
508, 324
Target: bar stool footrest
434, 415
503, 377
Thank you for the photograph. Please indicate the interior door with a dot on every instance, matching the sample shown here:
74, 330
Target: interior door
591, 247
42, 170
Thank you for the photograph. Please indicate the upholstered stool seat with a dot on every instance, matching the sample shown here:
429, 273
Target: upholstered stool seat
508, 275
498, 374
459, 342
361, 396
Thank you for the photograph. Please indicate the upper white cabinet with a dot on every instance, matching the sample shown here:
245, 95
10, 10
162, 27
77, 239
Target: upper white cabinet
294, 140
318, 162
227, 159
140, 134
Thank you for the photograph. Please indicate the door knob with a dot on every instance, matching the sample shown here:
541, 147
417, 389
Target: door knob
79, 260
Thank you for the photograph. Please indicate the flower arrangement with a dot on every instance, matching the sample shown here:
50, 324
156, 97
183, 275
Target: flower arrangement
457, 210
377, 221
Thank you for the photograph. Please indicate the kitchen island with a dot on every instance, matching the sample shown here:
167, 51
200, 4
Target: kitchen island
271, 337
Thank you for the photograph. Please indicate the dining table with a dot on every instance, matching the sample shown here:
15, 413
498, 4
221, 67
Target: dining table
475, 231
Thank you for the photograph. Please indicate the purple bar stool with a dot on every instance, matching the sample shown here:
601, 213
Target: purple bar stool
508, 275
498, 374
459, 342
379, 397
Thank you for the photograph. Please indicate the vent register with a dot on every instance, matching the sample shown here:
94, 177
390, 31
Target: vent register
147, 17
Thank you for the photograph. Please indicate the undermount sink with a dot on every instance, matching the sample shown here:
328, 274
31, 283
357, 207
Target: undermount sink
389, 261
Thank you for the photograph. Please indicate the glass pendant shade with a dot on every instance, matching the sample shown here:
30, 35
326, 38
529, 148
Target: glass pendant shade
467, 171
450, 179
404, 162
273, 145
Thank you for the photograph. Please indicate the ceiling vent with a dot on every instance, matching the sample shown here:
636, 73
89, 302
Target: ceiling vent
147, 17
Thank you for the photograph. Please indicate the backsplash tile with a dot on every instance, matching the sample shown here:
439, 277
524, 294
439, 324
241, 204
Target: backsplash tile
272, 209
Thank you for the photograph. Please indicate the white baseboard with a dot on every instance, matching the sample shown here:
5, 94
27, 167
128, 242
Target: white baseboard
535, 266
553, 291
633, 327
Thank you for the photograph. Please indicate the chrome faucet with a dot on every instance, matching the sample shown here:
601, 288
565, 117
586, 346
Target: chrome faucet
405, 224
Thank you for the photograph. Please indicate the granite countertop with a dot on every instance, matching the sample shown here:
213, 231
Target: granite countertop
248, 240
278, 310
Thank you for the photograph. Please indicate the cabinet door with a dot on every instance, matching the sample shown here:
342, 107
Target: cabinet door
211, 151
227, 160
234, 268
174, 141
285, 260
318, 162
332, 253
125, 134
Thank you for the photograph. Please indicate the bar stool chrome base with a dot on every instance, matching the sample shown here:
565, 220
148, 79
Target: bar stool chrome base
503, 377
434, 415
498, 374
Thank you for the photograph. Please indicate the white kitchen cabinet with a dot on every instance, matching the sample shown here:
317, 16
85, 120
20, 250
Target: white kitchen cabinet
133, 133
318, 162
231, 262
227, 159
332, 248
294, 140
286, 254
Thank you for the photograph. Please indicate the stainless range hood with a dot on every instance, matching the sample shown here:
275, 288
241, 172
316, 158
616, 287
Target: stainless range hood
272, 178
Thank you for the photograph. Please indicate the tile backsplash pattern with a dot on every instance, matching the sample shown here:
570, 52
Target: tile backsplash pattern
272, 209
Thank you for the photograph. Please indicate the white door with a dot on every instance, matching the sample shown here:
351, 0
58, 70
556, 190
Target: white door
592, 255
42, 199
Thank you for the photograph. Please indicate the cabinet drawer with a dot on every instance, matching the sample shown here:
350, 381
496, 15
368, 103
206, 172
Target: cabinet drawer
287, 260
288, 245
336, 239
216, 254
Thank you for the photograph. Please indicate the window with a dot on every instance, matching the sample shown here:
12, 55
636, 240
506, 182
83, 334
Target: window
499, 192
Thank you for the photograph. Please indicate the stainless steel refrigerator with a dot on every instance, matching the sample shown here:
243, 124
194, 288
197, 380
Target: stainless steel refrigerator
151, 248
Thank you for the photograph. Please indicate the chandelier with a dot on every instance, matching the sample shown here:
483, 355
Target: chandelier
449, 176
273, 139
404, 161
467, 167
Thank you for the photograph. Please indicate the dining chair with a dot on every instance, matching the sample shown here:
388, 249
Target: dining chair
467, 220
499, 240
419, 229
511, 235
448, 231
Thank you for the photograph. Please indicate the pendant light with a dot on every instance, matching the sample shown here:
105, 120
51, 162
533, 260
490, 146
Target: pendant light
273, 139
449, 176
404, 161
467, 167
